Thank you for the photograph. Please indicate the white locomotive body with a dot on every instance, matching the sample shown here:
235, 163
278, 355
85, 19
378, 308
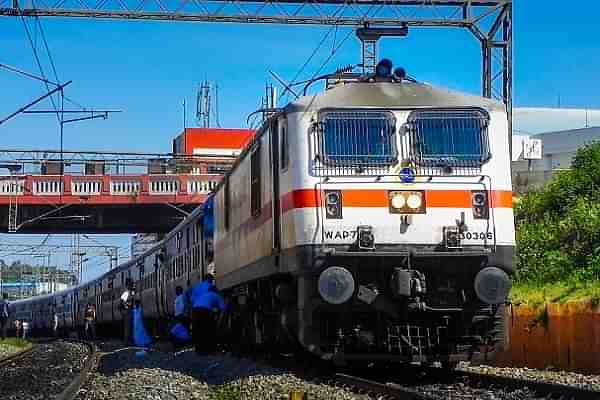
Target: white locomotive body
372, 222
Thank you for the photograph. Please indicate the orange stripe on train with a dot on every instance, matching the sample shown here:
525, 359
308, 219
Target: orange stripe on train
309, 198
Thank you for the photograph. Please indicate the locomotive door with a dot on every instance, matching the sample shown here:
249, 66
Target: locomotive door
274, 131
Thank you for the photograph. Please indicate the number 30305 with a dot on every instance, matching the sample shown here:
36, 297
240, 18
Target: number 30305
476, 236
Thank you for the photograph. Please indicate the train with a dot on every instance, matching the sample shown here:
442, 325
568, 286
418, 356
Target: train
370, 222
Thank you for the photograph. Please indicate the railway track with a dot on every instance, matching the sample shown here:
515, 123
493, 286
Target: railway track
425, 383
50, 369
15, 356
542, 389
390, 390
433, 384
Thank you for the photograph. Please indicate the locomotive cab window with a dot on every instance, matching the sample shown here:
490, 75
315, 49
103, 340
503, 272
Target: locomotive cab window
449, 138
255, 182
358, 139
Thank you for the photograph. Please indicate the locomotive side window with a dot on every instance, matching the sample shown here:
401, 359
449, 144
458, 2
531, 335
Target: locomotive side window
454, 138
255, 182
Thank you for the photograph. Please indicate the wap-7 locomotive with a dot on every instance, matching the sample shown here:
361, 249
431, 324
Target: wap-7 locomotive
372, 222
368, 223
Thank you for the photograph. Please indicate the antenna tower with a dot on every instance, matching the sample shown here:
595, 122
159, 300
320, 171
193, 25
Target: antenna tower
203, 105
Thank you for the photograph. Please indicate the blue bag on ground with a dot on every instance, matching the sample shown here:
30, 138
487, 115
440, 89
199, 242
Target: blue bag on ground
140, 336
180, 333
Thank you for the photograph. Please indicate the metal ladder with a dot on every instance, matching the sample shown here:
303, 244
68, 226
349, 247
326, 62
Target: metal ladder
13, 208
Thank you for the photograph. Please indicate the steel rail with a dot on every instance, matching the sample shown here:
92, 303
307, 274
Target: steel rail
388, 389
544, 389
71, 391
16, 355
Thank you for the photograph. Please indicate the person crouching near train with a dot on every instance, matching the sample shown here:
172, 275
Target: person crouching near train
179, 332
205, 300
141, 338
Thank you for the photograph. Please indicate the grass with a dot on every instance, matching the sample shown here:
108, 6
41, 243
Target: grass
558, 292
16, 342
230, 391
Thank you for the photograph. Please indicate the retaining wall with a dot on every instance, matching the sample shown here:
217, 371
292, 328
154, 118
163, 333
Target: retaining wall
562, 336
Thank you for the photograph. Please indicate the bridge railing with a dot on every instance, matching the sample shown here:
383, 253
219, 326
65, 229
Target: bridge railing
12, 187
107, 185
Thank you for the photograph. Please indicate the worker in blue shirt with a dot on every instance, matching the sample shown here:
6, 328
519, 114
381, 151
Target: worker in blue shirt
205, 301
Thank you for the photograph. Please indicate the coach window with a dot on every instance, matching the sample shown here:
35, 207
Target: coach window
178, 237
285, 156
255, 186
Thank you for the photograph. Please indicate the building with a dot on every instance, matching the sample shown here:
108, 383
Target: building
536, 158
219, 146
22, 290
142, 242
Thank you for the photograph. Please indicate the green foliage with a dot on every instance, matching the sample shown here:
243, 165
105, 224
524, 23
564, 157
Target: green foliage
558, 226
230, 391
15, 342
17, 269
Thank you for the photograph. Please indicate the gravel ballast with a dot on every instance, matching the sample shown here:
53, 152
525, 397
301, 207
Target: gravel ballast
124, 373
43, 373
129, 373
589, 382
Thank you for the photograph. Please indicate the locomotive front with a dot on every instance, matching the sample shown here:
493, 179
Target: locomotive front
402, 222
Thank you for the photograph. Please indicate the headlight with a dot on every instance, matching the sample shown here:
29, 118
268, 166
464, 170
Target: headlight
336, 285
414, 201
492, 285
397, 200
407, 202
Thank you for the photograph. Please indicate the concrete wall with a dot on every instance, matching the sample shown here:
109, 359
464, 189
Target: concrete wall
566, 337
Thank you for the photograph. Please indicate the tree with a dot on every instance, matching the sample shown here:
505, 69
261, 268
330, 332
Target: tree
558, 226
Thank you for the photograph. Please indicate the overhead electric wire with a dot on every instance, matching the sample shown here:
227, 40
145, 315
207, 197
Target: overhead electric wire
39, 64
335, 49
47, 48
308, 60
75, 103
27, 74
29, 249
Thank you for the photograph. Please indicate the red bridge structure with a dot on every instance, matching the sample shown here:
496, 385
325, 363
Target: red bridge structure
104, 192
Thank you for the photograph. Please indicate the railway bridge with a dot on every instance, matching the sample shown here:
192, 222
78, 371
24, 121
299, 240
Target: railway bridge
49, 191
100, 203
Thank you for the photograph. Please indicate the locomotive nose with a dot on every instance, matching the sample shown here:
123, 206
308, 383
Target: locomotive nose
492, 285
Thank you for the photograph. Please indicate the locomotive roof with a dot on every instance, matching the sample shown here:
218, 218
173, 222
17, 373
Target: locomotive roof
390, 95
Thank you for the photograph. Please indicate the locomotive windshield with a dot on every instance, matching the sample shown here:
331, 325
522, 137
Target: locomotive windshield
358, 139
449, 138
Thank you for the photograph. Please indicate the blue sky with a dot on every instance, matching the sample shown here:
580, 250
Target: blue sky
148, 68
